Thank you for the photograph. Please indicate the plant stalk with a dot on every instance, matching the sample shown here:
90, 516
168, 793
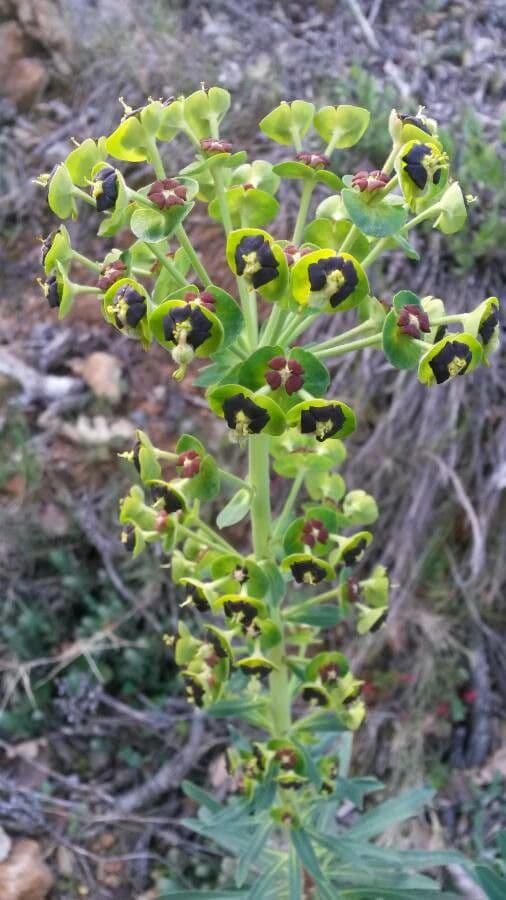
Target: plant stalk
167, 263
305, 201
192, 255
261, 524
373, 339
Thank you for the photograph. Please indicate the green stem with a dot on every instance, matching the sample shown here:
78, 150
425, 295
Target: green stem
296, 326
236, 351
349, 239
85, 289
213, 536
154, 157
259, 478
226, 218
374, 253
374, 339
204, 541
272, 326
390, 185
305, 200
234, 479
447, 320
344, 337
297, 143
96, 267
140, 198
192, 255
390, 160
84, 196
249, 310
167, 454
321, 598
167, 263
288, 505
331, 146
426, 214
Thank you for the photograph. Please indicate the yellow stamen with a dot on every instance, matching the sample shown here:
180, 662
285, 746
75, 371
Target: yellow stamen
252, 263
456, 366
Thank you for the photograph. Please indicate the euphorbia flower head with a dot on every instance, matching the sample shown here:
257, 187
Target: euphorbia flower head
285, 373
105, 188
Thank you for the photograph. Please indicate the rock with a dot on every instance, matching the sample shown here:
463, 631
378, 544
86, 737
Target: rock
22, 75
13, 44
24, 81
45, 22
24, 875
101, 372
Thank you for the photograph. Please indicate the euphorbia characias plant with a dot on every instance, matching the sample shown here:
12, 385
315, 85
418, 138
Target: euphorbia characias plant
261, 599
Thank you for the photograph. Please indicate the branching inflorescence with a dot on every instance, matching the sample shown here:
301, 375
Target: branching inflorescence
260, 654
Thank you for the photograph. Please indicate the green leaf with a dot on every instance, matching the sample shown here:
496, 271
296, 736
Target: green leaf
329, 179
405, 298
153, 225
252, 207
189, 442
205, 895
148, 464
376, 219
166, 286
262, 889
128, 141
287, 118
391, 812
324, 722
59, 197
309, 860
493, 885
294, 876
294, 169
393, 894
343, 125
251, 711
325, 616
401, 241
223, 369
171, 121
228, 312
151, 116
275, 580
453, 213
360, 508
81, 161
204, 108
252, 371
259, 173
343, 848
316, 375
327, 233
236, 509
203, 798
356, 789
248, 859
399, 348
205, 485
